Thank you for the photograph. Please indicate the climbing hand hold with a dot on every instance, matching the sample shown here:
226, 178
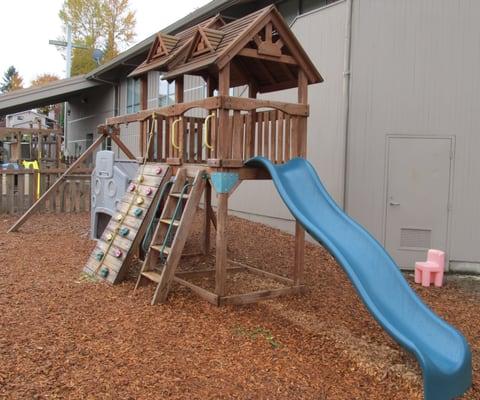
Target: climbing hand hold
117, 253
119, 217
141, 178
148, 191
137, 212
109, 237
158, 170
99, 255
104, 272
139, 201
131, 188
124, 232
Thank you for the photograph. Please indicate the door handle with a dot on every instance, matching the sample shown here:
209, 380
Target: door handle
394, 203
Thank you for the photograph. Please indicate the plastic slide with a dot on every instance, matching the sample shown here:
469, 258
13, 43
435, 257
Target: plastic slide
442, 351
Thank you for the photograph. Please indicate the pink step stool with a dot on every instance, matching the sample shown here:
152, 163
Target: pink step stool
432, 269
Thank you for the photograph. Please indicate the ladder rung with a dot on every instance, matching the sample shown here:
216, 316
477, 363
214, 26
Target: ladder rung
176, 222
158, 247
153, 276
179, 195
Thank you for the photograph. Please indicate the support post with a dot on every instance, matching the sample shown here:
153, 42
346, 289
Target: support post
222, 206
221, 245
223, 151
143, 106
207, 217
208, 191
297, 273
179, 95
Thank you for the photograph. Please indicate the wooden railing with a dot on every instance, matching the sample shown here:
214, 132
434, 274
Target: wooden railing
20, 188
240, 128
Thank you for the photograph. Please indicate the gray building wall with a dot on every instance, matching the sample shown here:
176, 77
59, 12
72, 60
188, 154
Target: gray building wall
322, 34
415, 70
87, 111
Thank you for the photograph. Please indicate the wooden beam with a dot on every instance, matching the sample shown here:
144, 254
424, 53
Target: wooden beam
203, 293
80, 160
221, 245
253, 297
205, 272
252, 53
261, 272
207, 218
223, 115
210, 103
122, 146
297, 273
243, 104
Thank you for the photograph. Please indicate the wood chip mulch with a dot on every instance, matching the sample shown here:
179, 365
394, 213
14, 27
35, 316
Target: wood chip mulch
63, 336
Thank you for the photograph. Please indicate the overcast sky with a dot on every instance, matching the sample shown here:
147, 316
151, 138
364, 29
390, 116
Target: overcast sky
27, 25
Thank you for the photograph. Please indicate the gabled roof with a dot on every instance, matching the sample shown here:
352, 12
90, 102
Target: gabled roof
260, 46
183, 39
108, 71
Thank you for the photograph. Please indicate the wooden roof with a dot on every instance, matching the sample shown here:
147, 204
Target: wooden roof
157, 62
260, 47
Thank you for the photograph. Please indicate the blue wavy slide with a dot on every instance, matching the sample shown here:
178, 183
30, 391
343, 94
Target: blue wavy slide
442, 351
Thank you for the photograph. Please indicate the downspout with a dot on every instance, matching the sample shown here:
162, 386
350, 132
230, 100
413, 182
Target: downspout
346, 93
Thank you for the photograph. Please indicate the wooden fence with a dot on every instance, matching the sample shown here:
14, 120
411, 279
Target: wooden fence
20, 188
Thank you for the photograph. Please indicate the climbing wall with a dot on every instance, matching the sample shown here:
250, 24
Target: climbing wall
114, 250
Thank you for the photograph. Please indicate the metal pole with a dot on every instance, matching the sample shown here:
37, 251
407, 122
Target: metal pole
68, 73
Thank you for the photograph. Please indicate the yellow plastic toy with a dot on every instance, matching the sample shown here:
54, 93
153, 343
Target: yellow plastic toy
36, 166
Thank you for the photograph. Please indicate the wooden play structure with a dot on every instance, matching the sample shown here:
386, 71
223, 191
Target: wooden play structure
40, 144
259, 51
33, 164
194, 156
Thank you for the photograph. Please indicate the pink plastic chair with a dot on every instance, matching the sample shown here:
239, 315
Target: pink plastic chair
432, 269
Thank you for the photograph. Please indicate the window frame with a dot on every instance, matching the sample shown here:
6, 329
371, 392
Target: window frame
133, 96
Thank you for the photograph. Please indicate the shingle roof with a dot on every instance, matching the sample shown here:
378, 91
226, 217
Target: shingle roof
272, 62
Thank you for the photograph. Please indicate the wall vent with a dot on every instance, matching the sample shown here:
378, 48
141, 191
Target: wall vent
416, 238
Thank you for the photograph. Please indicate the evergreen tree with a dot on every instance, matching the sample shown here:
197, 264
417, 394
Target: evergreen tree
11, 80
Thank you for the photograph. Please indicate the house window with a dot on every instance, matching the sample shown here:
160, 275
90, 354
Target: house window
166, 93
133, 95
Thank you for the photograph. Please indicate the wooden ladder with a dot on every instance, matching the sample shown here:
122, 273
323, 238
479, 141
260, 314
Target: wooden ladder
171, 233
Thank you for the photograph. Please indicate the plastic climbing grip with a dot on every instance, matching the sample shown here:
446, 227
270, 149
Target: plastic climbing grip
117, 253
104, 271
124, 232
99, 255
137, 212
139, 201
119, 217
109, 237
148, 191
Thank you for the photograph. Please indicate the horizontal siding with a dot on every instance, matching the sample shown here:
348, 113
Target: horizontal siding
415, 70
322, 36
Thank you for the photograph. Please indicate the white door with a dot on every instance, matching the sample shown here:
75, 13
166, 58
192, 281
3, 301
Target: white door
418, 186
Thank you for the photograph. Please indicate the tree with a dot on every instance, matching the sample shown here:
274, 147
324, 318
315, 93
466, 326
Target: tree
119, 26
44, 79
11, 80
107, 25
